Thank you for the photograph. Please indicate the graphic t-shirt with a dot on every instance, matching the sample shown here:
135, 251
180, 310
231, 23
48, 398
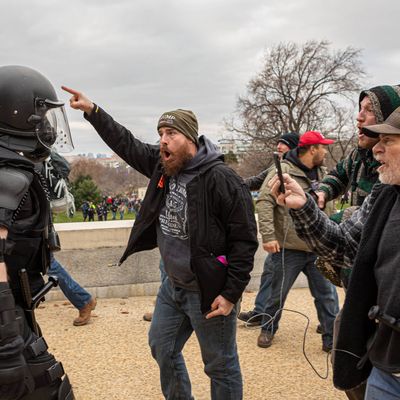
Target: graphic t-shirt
172, 228
173, 235
173, 218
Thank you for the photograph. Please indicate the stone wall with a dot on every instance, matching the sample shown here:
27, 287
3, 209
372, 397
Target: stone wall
91, 251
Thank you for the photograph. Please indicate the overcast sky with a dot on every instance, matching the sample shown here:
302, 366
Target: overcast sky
139, 58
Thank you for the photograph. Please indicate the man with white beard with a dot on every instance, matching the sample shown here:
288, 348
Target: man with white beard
368, 345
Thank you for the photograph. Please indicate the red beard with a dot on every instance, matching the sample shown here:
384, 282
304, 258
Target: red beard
174, 162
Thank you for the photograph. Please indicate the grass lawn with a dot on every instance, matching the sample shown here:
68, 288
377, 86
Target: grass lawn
62, 217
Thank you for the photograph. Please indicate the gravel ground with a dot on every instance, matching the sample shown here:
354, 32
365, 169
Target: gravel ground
109, 358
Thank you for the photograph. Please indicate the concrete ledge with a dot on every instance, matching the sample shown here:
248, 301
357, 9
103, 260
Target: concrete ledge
114, 291
90, 248
88, 235
94, 225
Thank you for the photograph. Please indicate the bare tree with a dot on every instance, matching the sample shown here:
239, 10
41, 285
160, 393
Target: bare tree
253, 162
300, 88
344, 131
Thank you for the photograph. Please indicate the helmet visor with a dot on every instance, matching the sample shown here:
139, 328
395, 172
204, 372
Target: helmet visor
53, 130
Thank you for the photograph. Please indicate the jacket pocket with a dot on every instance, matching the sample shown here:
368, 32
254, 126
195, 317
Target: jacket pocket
211, 277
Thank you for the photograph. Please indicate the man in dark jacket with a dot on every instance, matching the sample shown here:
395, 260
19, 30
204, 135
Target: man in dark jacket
200, 215
368, 344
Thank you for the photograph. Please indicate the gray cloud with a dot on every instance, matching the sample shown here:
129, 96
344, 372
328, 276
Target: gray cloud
140, 58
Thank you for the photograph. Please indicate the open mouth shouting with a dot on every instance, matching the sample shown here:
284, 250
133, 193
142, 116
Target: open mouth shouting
165, 154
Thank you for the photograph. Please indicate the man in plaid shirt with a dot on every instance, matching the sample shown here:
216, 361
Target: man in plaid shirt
368, 345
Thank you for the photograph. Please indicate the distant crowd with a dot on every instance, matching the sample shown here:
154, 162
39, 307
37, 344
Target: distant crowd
118, 206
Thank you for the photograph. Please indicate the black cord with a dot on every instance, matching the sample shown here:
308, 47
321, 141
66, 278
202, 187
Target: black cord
270, 322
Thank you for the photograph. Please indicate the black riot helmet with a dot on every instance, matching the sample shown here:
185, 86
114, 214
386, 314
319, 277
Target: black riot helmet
32, 119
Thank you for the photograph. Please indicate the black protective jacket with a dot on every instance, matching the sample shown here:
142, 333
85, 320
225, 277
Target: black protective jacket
220, 214
24, 211
26, 218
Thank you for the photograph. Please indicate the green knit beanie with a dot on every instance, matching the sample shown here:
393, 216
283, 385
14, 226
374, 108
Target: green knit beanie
384, 99
183, 121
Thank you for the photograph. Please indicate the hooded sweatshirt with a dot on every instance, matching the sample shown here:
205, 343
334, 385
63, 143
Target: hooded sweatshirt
172, 228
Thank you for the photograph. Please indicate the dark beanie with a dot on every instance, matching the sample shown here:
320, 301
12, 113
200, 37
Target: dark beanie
384, 99
291, 139
183, 121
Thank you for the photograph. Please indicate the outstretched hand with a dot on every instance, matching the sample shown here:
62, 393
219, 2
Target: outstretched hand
79, 101
294, 196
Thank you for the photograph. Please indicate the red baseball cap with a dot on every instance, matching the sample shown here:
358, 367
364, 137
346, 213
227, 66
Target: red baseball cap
312, 137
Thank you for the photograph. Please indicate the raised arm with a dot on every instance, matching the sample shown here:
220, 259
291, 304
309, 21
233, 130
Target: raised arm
141, 156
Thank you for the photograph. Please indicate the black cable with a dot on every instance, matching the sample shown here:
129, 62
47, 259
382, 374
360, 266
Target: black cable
272, 318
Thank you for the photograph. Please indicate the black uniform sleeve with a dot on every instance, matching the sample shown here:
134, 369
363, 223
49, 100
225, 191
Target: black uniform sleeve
255, 182
141, 156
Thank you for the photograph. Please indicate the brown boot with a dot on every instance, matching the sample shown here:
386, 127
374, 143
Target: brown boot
265, 339
85, 312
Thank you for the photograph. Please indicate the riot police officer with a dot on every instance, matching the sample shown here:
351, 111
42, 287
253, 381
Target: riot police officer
32, 120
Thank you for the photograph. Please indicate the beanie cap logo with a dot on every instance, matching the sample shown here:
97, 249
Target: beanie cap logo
183, 121
167, 118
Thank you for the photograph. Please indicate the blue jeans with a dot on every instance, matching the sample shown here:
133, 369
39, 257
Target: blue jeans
324, 293
264, 291
75, 293
177, 314
163, 274
382, 385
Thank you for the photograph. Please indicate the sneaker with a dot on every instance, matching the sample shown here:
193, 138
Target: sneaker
319, 329
85, 313
148, 316
264, 340
255, 320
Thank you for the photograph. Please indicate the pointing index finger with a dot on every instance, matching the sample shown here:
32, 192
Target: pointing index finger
69, 90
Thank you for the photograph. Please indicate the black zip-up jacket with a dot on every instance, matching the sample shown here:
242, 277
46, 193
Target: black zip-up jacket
220, 214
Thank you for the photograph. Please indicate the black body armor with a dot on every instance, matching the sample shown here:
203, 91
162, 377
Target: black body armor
27, 226
27, 370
